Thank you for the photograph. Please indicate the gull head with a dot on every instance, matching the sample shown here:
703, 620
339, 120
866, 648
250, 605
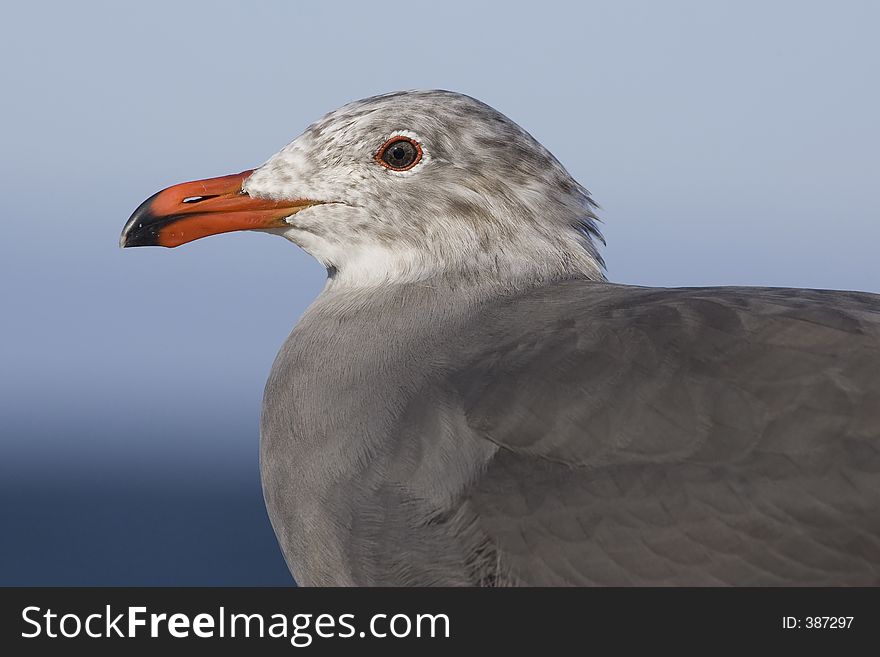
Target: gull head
403, 186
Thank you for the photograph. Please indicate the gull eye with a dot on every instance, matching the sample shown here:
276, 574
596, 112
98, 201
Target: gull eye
399, 154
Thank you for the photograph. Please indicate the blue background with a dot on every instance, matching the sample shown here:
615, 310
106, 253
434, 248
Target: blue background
728, 143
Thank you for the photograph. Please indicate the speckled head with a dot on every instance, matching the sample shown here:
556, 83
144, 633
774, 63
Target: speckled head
399, 186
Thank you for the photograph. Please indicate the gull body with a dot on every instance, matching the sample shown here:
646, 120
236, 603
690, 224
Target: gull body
470, 402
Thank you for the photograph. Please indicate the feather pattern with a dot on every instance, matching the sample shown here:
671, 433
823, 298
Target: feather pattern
580, 433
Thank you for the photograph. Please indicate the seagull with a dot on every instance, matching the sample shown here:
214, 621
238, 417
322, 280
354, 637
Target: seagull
469, 401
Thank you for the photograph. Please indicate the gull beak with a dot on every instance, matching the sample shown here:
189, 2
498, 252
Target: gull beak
192, 210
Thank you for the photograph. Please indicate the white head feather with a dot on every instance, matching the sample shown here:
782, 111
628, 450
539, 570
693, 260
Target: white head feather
486, 199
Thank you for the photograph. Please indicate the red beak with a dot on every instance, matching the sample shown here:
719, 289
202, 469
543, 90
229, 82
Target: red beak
192, 210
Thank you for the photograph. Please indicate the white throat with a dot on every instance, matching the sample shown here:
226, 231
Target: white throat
527, 261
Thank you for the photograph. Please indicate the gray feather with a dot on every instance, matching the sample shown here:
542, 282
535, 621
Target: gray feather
579, 433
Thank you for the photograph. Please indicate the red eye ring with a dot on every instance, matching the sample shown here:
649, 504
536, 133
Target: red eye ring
412, 154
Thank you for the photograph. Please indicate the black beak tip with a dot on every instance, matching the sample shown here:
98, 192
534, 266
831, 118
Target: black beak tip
142, 228
139, 235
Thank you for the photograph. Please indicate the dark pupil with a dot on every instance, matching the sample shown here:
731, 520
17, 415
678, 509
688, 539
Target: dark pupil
400, 154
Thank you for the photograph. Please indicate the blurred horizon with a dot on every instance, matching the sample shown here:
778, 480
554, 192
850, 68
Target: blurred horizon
727, 143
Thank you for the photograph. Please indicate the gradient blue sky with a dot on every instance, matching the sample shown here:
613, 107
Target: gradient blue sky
727, 142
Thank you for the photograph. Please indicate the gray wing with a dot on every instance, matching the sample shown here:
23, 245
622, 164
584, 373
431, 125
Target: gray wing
675, 436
